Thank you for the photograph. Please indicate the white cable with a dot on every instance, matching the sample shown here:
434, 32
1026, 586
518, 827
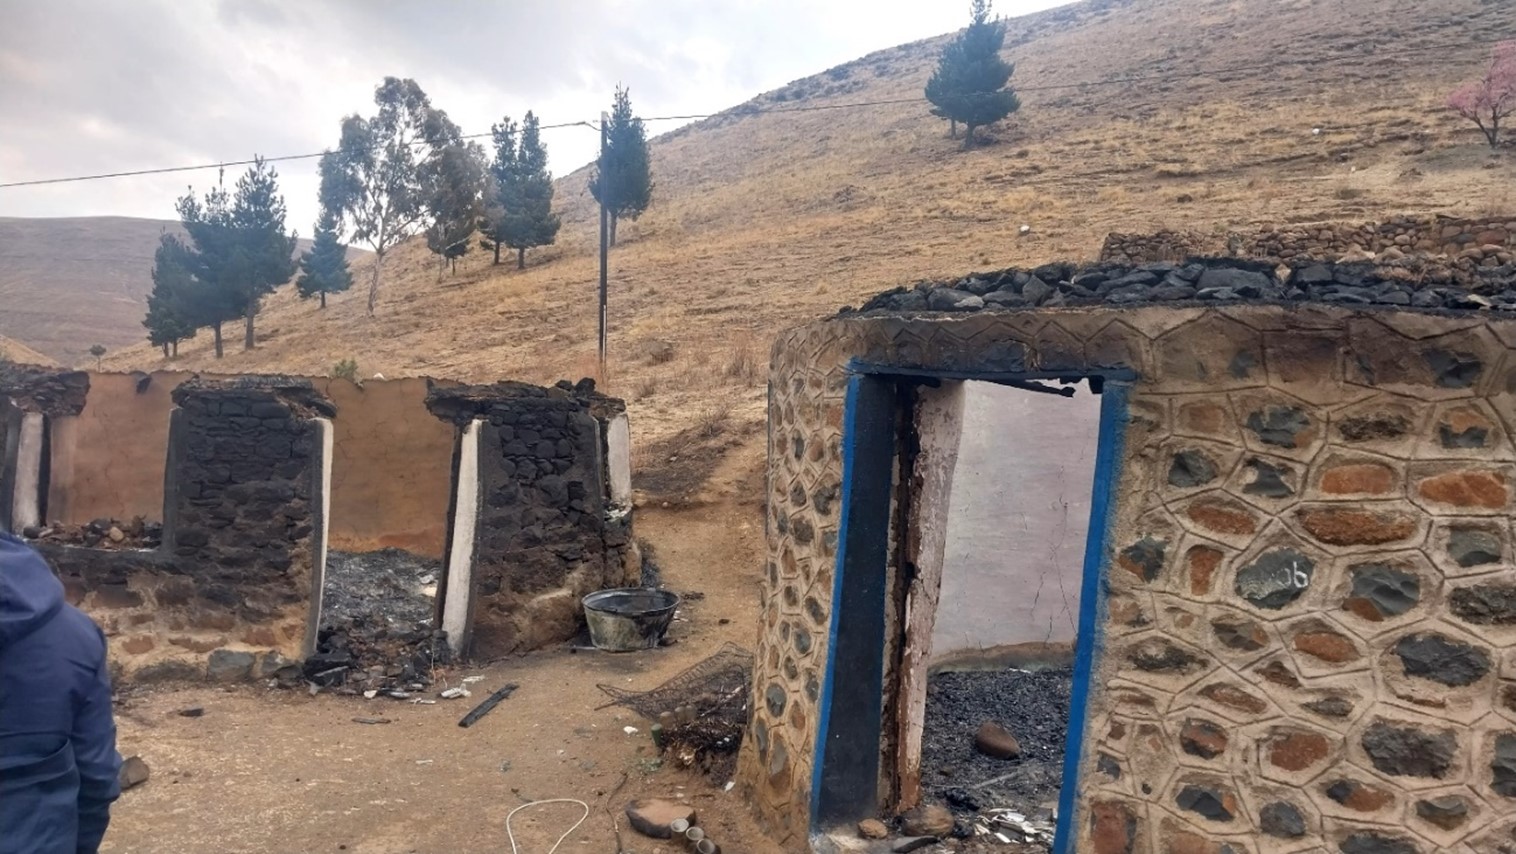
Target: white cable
575, 826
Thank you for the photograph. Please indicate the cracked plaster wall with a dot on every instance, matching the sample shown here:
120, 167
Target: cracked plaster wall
1310, 638
390, 468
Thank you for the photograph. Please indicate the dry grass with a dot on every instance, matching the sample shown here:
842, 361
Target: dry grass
763, 222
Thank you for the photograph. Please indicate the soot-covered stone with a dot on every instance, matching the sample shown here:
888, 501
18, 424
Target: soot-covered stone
1442, 660
1281, 819
1474, 547
1275, 579
1406, 751
1485, 604
1381, 591
1191, 468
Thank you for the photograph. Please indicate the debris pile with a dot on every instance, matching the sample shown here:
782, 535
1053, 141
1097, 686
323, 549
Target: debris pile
364, 653
699, 714
108, 534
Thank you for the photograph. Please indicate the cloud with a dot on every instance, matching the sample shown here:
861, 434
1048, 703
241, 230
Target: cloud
89, 86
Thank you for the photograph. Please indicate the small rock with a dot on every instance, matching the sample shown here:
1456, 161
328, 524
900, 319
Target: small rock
192, 712
651, 816
115, 534
371, 720
927, 820
454, 693
134, 772
913, 843
994, 741
872, 828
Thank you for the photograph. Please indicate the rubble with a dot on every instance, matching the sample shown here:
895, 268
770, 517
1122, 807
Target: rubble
363, 653
108, 534
134, 772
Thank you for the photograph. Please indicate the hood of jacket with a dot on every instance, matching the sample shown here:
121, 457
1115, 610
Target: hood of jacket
30, 594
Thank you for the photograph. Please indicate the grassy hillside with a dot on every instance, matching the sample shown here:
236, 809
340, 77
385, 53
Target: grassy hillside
15, 351
72, 282
764, 221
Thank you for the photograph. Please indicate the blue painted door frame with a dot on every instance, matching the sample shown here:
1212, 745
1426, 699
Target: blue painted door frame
845, 778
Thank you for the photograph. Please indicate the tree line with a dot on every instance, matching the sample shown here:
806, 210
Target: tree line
406, 171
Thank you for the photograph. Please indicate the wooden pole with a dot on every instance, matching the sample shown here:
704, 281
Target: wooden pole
605, 232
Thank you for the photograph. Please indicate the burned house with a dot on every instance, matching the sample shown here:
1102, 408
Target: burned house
1288, 621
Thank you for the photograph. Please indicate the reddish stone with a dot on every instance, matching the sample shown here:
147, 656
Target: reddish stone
1223, 518
1466, 418
1345, 527
1326, 645
1206, 418
1203, 562
259, 636
197, 644
1233, 697
1485, 489
1359, 479
1117, 731
1202, 738
1277, 673
1297, 751
138, 645
1113, 828
1177, 839
1357, 796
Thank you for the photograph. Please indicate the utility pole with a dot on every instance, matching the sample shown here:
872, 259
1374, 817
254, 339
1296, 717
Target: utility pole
605, 235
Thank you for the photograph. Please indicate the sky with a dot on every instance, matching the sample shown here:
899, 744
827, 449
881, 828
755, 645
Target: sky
93, 86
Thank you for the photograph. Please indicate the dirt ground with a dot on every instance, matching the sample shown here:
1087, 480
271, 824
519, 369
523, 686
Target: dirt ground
279, 771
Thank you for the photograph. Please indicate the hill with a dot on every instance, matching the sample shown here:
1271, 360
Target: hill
1137, 114
15, 351
71, 282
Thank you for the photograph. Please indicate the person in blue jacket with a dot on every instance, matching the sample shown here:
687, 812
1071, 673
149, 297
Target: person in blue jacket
58, 762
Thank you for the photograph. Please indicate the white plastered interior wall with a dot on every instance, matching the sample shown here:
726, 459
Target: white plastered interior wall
318, 572
25, 507
618, 444
1019, 510
460, 559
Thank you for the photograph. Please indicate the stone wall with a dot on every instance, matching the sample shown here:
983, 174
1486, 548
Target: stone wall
1482, 242
546, 533
389, 464
1307, 639
233, 590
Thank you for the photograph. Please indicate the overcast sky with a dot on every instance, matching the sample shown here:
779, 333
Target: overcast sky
91, 86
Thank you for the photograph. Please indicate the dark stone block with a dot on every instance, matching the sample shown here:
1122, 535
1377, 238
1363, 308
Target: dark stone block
1367, 428
1330, 707
1204, 801
1274, 579
1453, 370
775, 698
1447, 812
1474, 547
1191, 468
1473, 437
1442, 660
1144, 558
1381, 591
1281, 819
1269, 480
1503, 766
1280, 426
1405, 751
1375, 842
1241, 635
1485, 604
226, 665
116, 595
1161, 656
1108, 765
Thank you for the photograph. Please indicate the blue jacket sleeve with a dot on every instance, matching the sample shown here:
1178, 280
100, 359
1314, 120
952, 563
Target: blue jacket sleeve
94, 741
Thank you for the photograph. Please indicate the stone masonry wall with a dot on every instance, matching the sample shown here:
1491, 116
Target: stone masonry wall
230, 590
1309, 641
544, 538
1480, 242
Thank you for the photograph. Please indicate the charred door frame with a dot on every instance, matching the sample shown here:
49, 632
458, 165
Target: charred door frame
847, 774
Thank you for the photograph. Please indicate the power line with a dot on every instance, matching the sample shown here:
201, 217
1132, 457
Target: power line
741, 111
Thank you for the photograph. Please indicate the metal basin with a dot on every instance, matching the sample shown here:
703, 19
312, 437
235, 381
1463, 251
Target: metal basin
629, 618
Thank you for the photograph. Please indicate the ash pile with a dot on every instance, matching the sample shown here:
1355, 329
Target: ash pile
698, 716
377, 624
108, 534
362, 654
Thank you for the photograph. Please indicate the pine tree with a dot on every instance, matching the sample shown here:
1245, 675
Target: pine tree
373, 180
170, 311
623, 180
453, 190
500, 196
238, 251
519, 214
323, 267
969, 85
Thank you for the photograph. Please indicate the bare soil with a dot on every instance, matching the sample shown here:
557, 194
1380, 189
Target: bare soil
267, 770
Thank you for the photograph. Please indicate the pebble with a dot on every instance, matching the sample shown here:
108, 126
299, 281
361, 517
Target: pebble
996, 742
927, 820
192, 712
134, 772
872, 828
